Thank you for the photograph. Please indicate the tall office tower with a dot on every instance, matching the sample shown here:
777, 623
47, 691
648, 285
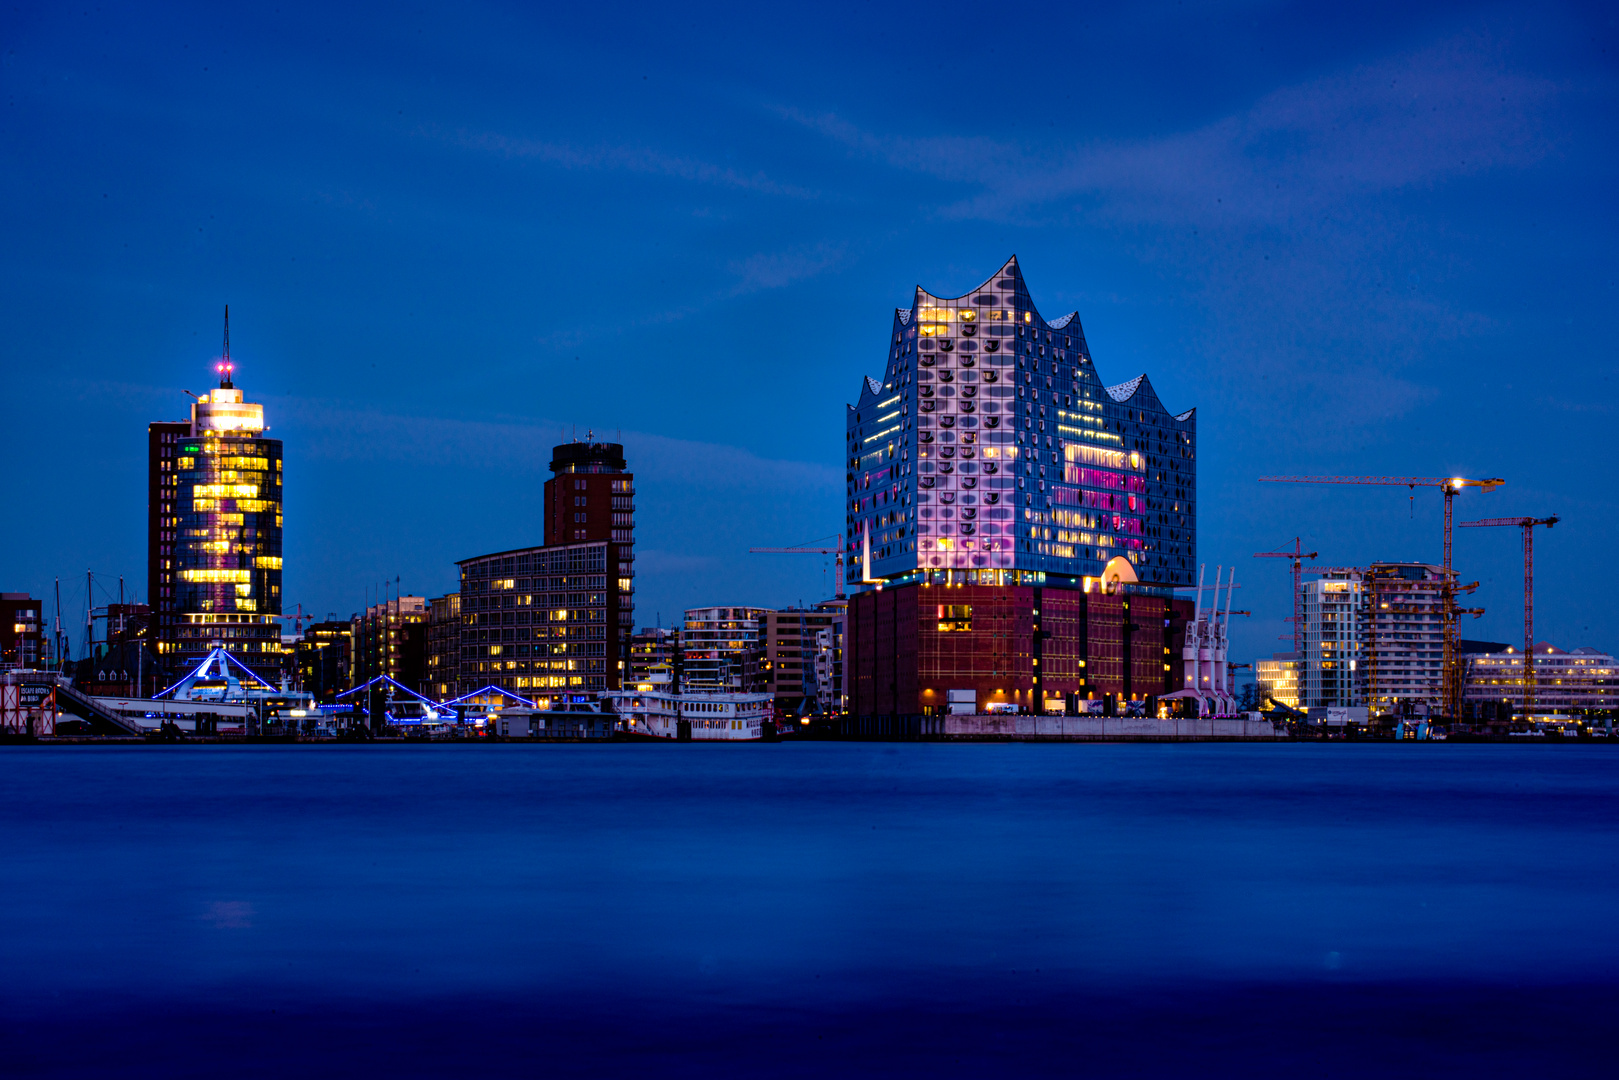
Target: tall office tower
591, 497
214, 532
992, 457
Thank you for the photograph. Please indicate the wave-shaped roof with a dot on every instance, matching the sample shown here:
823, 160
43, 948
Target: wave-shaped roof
1124, 391
993, 292
1009, 272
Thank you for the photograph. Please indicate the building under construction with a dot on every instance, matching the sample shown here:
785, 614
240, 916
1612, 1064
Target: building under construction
1374, 636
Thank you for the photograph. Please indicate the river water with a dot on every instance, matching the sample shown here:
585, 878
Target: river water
810, 909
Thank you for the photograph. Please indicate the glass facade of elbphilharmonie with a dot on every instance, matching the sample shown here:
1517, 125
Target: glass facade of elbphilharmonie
992, 444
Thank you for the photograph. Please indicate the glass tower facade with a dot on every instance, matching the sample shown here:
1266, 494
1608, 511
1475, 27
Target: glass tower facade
217, 529
992, 444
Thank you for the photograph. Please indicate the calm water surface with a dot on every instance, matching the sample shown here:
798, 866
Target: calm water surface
809, 909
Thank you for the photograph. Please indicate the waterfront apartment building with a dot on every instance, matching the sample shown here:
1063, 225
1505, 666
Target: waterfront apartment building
723, 650
1566, 682
1279, 679
1334, 621
214, 521
22, 631
829, 650
542, 620
791, 648
591, 497
322, 659
655, 660
443, 657
999, 495
389, 639
1402, 638
1373, 636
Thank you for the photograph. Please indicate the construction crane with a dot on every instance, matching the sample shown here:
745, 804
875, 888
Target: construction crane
1527, 524
1298, 556
1449, 485
838, 551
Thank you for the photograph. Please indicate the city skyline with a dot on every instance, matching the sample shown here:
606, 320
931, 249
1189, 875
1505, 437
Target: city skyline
1338, 280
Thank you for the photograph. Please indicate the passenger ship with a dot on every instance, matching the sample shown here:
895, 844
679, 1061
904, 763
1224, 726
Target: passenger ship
711, 717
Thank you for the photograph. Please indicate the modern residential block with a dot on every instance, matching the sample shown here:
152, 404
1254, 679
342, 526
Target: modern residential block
541, 620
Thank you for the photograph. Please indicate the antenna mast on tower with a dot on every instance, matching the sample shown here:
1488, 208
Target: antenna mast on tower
225, 366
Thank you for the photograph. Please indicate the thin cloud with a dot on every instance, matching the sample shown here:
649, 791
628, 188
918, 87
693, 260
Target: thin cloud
758, 273
1444, 111
334, 432
609, 158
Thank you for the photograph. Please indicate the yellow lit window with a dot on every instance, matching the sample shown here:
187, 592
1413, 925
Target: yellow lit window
216, 575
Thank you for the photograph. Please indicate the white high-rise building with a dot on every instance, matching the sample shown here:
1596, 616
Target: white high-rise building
1333, 625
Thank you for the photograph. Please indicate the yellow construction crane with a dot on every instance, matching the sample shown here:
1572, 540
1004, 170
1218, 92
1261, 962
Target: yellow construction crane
1298, 555
1527, 524
838, 551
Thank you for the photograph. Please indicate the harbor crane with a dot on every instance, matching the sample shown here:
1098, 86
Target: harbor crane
1449, 486
1527, 524
806, 550
1298, 555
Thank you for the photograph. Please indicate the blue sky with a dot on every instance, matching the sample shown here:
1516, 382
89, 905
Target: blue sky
1369, 241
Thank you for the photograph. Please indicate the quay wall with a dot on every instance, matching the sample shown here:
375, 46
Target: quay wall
1008, 727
